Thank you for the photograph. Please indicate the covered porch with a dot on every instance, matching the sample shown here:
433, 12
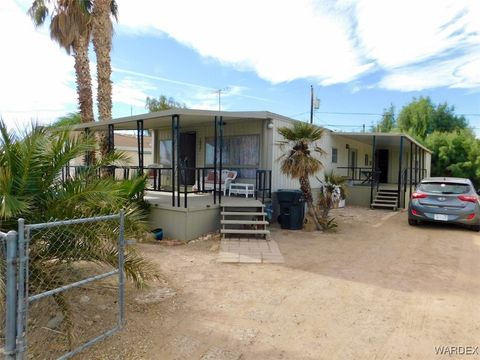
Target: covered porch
196, 155
380, 162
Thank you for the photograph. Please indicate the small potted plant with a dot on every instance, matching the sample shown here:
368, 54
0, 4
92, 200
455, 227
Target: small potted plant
339, 182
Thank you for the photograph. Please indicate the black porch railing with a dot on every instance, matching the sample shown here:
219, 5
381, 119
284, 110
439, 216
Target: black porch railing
187, 180
362, 175
263, 184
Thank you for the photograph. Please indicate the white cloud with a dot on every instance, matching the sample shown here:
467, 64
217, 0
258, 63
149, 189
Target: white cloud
36, 75
460, 72
280, 40
334, 42
411, 44
397, 33
132, 91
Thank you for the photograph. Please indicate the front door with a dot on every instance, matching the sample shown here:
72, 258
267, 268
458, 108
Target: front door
353, 163
381, 163
187, 157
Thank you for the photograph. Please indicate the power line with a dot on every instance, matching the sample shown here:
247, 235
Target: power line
346, 113
375, 114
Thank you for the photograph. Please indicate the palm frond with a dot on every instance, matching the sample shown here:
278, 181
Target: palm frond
297, 159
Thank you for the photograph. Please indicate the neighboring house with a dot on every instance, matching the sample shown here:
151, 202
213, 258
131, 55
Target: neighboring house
370, 161
128, 144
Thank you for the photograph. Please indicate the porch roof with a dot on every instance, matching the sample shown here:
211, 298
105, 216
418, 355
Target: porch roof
188, 117
381, 139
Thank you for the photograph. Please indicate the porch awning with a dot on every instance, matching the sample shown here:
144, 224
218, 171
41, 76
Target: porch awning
381, 139
162, 119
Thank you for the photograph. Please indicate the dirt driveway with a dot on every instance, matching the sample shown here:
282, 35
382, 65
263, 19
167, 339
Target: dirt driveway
376, 289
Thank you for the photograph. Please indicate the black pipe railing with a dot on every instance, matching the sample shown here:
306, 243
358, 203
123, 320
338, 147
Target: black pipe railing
365, 174
362, 174
263, 184
161, 179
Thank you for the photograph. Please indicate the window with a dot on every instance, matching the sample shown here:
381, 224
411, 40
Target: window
241, 153
444, 188
366, 159
166, 152
334, 155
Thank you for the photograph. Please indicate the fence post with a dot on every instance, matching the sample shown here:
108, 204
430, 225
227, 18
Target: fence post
121, 274
22, 286
11, 296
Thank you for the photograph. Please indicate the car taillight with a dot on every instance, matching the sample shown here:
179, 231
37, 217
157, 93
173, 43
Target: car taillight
414, 212
417, 195
470, 216
468, 198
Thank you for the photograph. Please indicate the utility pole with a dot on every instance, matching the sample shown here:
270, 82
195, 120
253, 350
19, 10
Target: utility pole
311, 104
219, 93
314, 104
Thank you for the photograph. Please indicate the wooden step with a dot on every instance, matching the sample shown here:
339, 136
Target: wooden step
246, 206
243, 231
385, 201
246, 213
387, 191
385, 198
387, 195
244, 222
389, 206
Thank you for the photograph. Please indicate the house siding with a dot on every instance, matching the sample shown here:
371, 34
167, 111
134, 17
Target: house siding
206, 130
340, 143
282, 181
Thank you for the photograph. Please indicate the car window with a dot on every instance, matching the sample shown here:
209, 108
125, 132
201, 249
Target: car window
445, 188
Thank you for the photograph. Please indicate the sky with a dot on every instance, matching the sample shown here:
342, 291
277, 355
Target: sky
360, 56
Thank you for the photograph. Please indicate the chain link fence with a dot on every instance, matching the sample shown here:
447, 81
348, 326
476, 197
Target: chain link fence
3, 269
69, 286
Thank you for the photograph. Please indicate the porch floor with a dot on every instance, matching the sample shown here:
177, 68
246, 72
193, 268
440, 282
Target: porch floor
387, 186
196, 201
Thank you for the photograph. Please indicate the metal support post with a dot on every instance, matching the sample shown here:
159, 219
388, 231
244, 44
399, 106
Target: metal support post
11, 296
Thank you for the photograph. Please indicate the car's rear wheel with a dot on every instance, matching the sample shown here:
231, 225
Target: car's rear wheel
412, 222
475, 227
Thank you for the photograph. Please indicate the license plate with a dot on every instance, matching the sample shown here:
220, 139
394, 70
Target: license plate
440, 217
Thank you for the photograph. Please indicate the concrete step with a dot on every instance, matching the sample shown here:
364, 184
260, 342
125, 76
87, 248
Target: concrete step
245, 213
243, 222
243, 231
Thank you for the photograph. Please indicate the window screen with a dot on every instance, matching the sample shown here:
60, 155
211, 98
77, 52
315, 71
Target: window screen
334, 155
241, 153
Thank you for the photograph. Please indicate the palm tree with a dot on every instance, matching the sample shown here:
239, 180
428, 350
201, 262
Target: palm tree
70, 28
298, 161
102, 32
31, 188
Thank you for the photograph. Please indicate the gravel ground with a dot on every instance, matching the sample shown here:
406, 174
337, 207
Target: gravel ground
375, 289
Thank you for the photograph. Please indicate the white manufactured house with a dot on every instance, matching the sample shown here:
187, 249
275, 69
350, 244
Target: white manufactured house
189, 147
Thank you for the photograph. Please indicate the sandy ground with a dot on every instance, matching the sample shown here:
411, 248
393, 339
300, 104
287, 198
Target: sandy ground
376, 289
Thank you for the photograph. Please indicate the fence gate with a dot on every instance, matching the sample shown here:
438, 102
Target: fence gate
64, 288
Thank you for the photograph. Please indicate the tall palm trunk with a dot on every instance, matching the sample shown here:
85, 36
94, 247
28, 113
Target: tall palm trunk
84, 85
102, 43
83, 78
307, 192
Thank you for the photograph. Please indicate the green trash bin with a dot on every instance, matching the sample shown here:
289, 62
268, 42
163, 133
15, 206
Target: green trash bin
292, 209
